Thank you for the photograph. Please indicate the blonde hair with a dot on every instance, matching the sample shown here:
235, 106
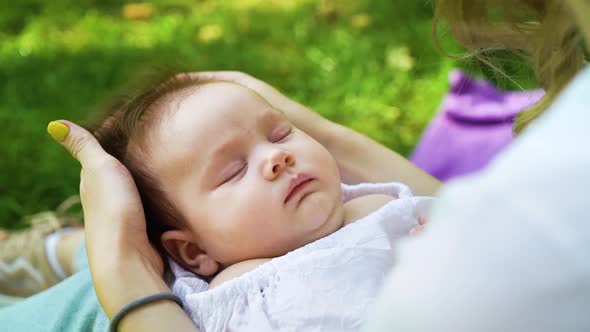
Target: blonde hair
549, 33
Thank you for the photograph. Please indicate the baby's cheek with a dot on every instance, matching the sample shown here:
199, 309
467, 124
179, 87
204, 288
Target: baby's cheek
251, 212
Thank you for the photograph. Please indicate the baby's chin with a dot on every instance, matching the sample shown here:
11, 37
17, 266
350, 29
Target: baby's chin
321, 215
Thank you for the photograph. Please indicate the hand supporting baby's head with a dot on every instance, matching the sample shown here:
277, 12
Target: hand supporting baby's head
224, 177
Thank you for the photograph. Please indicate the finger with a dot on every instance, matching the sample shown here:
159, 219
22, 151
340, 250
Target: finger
78, 141
422, 219
417, 230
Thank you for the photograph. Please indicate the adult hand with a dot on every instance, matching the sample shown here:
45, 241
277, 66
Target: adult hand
115, 230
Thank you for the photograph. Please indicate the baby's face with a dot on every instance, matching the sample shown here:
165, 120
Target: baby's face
248, 182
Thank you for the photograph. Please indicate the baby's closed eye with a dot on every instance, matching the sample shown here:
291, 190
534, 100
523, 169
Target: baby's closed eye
234, 171
281, 133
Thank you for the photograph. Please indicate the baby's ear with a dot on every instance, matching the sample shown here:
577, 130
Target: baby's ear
180, 246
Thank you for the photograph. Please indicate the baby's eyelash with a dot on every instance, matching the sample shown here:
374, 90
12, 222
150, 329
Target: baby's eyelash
236, 173
287, 134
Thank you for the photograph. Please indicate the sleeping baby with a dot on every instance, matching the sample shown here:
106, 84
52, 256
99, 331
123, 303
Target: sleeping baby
259, 231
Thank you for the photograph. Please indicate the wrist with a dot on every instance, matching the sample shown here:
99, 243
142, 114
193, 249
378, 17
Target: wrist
123, 282
158, 316
140, 304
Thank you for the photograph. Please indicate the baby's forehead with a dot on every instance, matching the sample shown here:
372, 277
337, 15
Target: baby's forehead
209, 110
203, 102
216, 95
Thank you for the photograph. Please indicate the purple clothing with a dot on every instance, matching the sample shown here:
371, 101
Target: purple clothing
473, 124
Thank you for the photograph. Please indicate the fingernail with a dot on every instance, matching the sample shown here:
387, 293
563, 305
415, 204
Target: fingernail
58, 130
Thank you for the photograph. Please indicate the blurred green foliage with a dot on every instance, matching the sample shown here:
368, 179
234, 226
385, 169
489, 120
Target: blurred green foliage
367, 64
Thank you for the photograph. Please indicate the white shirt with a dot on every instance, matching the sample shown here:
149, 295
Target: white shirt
507, 249
327, 285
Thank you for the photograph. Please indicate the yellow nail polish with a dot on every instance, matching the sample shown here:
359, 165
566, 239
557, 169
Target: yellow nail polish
58, 130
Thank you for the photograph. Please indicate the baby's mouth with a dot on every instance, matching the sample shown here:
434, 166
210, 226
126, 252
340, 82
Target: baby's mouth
297, 185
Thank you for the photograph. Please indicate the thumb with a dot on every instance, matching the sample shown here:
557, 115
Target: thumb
81, 144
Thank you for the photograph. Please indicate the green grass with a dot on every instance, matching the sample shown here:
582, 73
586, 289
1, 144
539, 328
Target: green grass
368, 64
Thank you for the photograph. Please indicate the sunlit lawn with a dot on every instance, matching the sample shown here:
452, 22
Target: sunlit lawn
367, 64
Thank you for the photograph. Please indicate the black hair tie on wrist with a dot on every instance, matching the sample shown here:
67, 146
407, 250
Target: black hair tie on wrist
139, 303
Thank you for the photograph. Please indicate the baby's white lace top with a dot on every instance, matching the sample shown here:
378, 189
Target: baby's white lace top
327, 285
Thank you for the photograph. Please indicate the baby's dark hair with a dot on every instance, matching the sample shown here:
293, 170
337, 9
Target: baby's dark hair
123, 131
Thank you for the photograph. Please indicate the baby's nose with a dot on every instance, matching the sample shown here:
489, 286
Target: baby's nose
277, 163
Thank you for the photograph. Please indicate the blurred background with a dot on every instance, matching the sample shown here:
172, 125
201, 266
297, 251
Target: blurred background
368, 64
